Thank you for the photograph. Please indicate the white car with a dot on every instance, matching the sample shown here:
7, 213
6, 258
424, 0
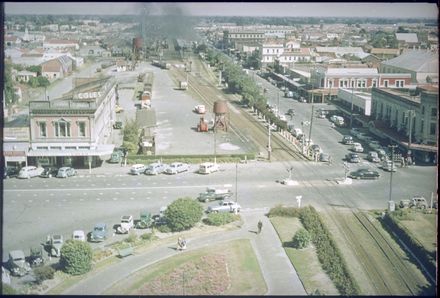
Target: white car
297, 132
137, 169
79, 235
208, 167
177, 167
357, 147
30, 172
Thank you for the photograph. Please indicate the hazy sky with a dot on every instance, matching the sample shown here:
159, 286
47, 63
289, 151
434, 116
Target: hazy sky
375, 9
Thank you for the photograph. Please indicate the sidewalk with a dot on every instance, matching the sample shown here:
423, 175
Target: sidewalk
278, 272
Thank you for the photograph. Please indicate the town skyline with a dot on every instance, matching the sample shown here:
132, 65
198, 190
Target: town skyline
286, 9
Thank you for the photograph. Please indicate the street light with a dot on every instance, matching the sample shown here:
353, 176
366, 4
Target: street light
392, 169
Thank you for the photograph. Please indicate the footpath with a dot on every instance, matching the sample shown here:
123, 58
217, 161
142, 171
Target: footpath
279, 274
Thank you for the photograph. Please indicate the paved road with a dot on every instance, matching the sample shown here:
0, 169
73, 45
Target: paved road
279, 274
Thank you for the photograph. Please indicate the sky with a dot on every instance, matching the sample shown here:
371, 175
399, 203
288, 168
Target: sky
277, 9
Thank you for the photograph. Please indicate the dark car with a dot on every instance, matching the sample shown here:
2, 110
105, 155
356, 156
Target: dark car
10, 172
99, 233
364, 174
65, 172
290, 112
352, 157
49, 172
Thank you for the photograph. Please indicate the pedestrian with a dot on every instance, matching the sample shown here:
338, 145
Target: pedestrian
260, 226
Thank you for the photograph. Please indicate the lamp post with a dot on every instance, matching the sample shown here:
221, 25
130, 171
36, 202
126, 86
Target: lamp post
392, 169
269, 148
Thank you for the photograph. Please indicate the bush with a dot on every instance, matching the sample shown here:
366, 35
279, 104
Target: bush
43, 273
279, 210
163, 228
218, 219
76, 257
301, 239
183, 214
132, 237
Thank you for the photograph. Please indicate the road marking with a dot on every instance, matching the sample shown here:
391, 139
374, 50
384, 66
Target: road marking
35, 194
101, 193
51, 194
132, 199
30, 201
115, 199
98, 199
117, 192
81, 200
164, 197
114, 188
84, 193
69, 194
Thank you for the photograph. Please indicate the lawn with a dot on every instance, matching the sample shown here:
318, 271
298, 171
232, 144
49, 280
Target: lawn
424, 229
305, 260
230, 268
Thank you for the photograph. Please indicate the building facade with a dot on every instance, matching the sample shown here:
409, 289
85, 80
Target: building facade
74, 130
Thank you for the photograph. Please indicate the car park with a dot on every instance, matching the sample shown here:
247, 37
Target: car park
137, 169
49, 172
364, 174
155, 168
65, 172
177, 167
10, 172
99, 233
79, 235
29, 172
373, 157
208, 167
357, 147
347, 140
352, 157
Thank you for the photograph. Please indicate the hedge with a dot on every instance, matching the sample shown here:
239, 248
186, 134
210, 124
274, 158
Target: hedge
189, 158
428, 259
219, 219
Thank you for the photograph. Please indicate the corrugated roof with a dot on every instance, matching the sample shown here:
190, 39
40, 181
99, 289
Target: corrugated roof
407, 37
416, 60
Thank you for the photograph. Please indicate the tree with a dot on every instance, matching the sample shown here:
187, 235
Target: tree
183, 214
10, 95
34, 68
76, 257
301, 239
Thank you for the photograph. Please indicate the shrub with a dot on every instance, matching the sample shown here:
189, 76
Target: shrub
279, 210
147, 236
163, 229
76, 257
403, 214
301, 239
132, 237
43, 273
218, 219
183, 214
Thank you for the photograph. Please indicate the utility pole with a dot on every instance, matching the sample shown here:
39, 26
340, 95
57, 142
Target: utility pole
236, 180
278, 104
311, 121
215, 147
392, 169
351, 115
269, 148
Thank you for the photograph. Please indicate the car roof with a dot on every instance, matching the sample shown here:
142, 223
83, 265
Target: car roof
16, 254
126, 217
100, 225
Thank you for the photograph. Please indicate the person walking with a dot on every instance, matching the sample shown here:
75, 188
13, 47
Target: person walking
260, 226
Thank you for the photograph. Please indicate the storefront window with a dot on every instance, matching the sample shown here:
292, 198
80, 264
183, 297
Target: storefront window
42, 127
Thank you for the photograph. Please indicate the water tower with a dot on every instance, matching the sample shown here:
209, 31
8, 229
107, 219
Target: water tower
220, 111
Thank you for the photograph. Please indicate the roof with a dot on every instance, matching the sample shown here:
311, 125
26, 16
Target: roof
352, 71
61, 41
53, 65
385, 51
416, 60
340, 50
407, 37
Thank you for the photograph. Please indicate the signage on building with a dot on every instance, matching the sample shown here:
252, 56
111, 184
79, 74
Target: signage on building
14, 153
89, 95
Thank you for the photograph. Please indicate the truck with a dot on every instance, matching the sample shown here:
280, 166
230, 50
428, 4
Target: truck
224, 206
127, 224
212, 194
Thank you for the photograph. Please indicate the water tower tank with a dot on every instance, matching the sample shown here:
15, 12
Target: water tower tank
137, 42
220, 107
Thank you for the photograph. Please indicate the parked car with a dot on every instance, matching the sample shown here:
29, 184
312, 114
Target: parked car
373, 156
118, 109
36, 257
117, 156
65, 172
224, 206
388, 165
155, 168
418, 202
208, 167
200, 109
357, 147
137, 169
29, 172
54, 243
315, 148
347, 140
79, 235
352, 157
99, 233
17, 263
364, 174
10, 172
362, 136
324, 157
49, 172
177, 167
296, 132
127, 224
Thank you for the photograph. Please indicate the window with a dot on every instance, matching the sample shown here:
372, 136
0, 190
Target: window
42, 127
62, 129
55, 147
385, 83
432, 128
400, 83
374, 83
434, 112
82, 129
423, 110
70, 147
42, 148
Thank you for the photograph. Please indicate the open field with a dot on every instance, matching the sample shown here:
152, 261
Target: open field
304, 260
227, 269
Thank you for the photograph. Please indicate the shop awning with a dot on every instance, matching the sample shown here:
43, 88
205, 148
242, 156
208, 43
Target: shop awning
99, 151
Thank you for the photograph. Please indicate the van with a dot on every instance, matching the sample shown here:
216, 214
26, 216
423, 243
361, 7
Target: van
30, 172
208, 167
